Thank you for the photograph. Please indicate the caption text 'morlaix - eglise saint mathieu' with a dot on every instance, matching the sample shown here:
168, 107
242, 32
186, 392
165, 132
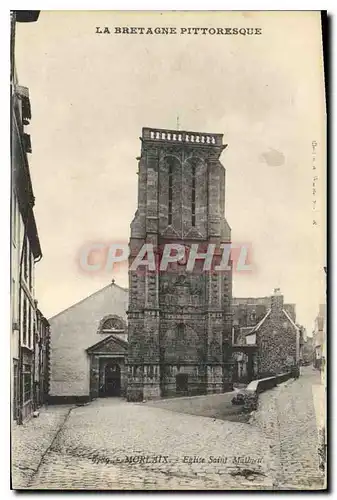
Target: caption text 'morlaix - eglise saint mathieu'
128, 30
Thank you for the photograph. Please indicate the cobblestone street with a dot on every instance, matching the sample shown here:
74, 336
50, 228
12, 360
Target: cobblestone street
111, 444
287, 416
113, 454
32, 440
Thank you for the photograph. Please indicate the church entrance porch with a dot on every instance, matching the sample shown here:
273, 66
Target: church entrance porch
110, 378
108, 374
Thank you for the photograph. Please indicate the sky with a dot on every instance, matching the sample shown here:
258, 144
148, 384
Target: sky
91, 94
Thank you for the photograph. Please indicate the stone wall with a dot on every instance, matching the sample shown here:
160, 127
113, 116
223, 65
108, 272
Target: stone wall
277, 345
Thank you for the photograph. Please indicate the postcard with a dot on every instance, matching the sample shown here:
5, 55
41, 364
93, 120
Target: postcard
168, 250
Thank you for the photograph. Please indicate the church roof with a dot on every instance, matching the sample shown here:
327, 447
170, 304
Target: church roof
112, 284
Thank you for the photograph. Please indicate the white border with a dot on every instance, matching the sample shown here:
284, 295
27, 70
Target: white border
5, 166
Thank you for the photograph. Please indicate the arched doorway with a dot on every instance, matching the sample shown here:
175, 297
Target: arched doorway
182, 383
112, 380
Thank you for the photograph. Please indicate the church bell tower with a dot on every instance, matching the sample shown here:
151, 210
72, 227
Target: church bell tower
179, 319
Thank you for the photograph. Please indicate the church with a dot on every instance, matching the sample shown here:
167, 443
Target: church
179, 321
88, 348
170, 333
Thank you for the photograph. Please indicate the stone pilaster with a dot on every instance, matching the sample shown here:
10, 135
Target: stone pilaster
152, 192
139, 221
151, 354
94, 376
214, 197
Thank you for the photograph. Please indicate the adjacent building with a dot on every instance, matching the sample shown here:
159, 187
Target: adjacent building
41, 359
179, 322
308, 351
249, 311
25, 247
88, 348
319, 336
273, 345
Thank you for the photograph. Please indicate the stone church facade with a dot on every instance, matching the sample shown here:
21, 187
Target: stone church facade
179, 321
88, 348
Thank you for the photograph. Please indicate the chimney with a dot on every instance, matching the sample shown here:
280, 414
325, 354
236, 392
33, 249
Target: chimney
276, 302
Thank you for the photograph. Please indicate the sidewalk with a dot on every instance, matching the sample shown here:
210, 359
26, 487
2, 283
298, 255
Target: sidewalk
31, 440
287, 416
319, 398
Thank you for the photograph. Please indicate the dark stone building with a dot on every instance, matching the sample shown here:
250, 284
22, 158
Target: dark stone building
248, 312
266, 339
179, 321
319, 336
308, 351
277, 338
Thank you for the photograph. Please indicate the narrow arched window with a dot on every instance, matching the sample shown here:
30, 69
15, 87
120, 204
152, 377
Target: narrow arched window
193, 195
180, 332
170, 192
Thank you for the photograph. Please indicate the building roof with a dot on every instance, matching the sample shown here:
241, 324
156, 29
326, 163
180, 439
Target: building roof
112, 284
251, 301
26, 16
257, 327
22, 181
246, 329
289, 318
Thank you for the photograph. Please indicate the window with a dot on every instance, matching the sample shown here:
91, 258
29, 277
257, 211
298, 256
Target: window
111, 325
15, 388
28, 257
30, 269
27, 383
13, 299
253, 316
180, 332
25, 266
193, 195
29, 326
170, 192
14, 218
251, 339
24, 321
